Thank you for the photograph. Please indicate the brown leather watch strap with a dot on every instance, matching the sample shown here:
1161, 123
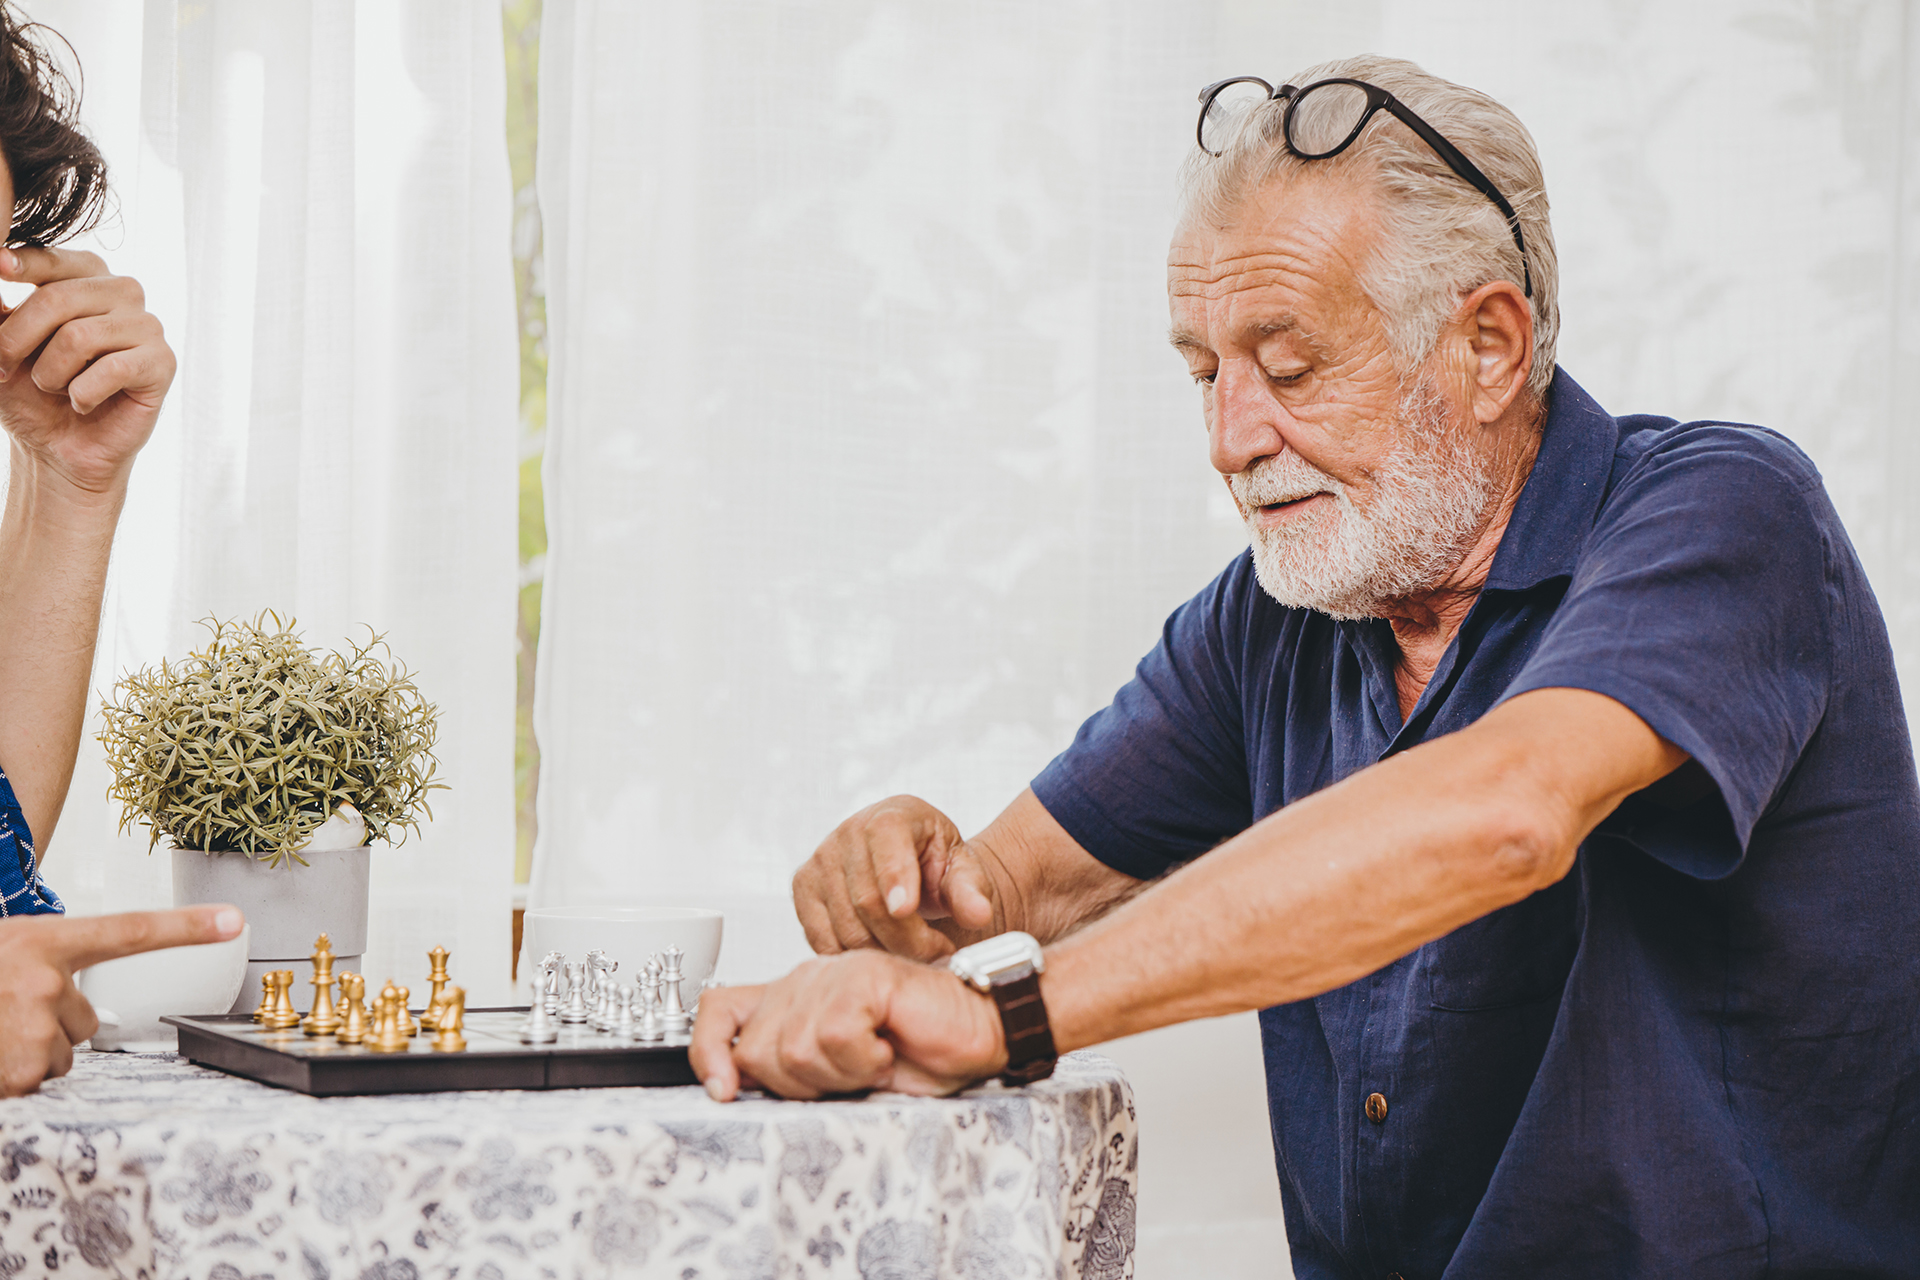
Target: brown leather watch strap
1023, 1014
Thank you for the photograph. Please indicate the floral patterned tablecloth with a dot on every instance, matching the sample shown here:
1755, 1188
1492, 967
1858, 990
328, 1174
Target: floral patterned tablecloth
148, 1166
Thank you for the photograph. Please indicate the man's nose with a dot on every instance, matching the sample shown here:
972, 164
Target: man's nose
1245, 424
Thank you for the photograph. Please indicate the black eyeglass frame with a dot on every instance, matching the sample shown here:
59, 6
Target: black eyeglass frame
1377, 100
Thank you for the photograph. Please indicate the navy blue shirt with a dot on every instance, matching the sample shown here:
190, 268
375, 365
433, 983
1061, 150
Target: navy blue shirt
1696, 1055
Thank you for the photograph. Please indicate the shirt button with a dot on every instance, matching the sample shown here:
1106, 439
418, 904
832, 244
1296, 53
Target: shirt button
1377, 1108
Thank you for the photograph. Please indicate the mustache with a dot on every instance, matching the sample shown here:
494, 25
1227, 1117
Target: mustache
1285, 477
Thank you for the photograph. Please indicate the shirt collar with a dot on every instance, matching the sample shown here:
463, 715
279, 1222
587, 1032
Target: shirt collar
1562, 495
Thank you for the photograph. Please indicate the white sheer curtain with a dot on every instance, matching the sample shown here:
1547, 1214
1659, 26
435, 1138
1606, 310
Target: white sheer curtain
316, 198
868, 472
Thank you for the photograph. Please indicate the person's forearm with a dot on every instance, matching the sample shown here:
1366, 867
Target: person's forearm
1044, 883
54, 544
1339, 884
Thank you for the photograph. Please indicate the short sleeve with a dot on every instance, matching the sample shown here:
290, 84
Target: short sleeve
22, 891
1703, 602
1160, 776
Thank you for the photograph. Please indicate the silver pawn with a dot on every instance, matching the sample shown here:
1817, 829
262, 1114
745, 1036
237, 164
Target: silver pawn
539, 1027
674, 1017
651, 1028
623, 1013
575, 1010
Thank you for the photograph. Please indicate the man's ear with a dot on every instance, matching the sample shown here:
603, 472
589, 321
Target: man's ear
1498, 324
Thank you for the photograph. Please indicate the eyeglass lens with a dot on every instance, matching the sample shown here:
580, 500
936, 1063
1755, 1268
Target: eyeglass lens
1325, 119
1227, 109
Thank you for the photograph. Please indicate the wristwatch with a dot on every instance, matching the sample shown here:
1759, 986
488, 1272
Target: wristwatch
1008, 968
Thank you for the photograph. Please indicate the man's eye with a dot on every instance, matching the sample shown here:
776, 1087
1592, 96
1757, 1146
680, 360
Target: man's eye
1205, 377
1286, 379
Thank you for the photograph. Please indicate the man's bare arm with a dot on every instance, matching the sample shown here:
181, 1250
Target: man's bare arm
1339, 884
898, 876
1320, 894
83, 371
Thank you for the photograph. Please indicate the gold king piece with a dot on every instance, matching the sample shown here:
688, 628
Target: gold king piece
322, 1021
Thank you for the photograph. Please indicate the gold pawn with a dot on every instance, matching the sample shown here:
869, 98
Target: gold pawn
322, 1021
430, 1020
284, 1016
453, 1017
353, 999
387, 1035
266, 997
407, 1025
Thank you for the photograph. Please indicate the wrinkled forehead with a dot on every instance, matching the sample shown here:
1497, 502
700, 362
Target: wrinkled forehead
1295, 246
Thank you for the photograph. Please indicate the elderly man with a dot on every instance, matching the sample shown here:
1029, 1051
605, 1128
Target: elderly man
1541, 775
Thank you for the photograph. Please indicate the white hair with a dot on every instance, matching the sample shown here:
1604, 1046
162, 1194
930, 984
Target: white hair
1441, 238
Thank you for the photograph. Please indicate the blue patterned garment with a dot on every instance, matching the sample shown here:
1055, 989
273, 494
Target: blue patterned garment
22, 891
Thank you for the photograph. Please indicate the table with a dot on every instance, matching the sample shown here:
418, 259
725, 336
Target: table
146, 1164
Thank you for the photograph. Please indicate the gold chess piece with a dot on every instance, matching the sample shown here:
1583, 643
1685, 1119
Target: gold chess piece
284, 1016
354, 1024
266, 997
387, 1035
408, 1027
430, 1020
453, 1016
322, 1021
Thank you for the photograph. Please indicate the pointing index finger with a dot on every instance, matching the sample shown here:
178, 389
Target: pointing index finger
33, 265
84, 941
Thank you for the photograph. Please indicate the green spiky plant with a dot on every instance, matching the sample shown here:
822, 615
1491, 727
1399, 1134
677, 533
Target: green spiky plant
251, 743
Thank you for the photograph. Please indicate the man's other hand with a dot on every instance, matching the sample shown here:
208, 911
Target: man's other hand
83, 366
841, 1024
42, 1014
884, 873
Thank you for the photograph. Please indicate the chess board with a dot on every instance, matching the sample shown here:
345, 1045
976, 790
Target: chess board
493, 1059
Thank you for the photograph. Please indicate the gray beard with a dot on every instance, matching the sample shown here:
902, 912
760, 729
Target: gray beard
1430, 504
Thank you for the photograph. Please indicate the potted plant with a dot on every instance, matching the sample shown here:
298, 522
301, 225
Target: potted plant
270, 768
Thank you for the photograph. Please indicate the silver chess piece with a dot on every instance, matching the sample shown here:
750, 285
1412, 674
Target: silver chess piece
601, 969
574, 1011
550, 966
539, 1028
623, 1013
650, 1028
674, 1017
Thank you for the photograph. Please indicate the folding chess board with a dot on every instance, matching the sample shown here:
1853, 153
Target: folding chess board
493, 1059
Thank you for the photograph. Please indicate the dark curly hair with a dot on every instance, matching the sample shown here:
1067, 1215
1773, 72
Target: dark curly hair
59, 176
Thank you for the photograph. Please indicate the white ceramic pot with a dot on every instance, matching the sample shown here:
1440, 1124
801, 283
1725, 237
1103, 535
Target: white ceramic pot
287, 906
133, 993
628, 935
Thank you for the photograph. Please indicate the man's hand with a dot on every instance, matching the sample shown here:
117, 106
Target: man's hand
839, 1024
884, 873
42, 1014
83, 366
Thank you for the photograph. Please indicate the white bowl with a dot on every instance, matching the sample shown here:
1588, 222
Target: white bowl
130, 995
629, 935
